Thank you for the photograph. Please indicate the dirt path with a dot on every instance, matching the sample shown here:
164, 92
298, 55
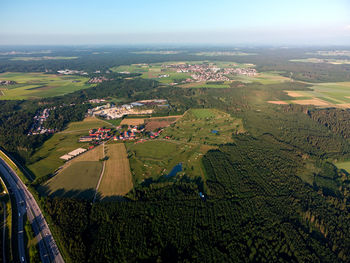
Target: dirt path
102, 172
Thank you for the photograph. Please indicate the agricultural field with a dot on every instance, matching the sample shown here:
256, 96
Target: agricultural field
343, 53
159, 122
79, 180
323, 60
40, 85
343, 165
117, 179
46, 160
271, 77
335, 94
152, 159
220, 53
132, 121
78, 175
204, 126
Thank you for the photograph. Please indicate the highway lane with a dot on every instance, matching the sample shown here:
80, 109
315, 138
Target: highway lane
14, 192
26, 204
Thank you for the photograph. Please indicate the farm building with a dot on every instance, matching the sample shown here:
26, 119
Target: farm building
77, 151
66, 157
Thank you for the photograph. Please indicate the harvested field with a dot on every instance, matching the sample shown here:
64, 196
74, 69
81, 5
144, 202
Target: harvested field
133, 122
116, 180
294, 94
159, 122
344, 106
279, 102
315, 102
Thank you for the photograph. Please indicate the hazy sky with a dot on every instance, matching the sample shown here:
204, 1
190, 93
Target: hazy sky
180, 21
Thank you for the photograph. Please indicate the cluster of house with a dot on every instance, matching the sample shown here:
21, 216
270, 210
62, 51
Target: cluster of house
134, 132
209, 72
97, 100
38, 124
73, 154
7, 82
97, 80
163, 76
99, 134
71, 72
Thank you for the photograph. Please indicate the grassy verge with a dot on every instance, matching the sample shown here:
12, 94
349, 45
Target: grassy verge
32, 251
23, 175
5, 205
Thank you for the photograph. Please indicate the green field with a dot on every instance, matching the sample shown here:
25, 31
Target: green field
218, 53
196, 126
46, 159
336, 94
40, 85
322, 60
343, 165
271, 77
79, 179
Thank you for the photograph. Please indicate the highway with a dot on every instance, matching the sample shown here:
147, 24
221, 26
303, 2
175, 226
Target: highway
26, 204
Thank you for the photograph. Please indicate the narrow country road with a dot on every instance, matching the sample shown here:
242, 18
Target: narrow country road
26, 203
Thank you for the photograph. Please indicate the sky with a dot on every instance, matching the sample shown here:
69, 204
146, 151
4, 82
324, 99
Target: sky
277, 22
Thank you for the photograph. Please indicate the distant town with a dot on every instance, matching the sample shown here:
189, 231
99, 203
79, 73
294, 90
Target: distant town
208, 72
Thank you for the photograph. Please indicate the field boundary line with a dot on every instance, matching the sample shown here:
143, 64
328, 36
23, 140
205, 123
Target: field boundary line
101, 175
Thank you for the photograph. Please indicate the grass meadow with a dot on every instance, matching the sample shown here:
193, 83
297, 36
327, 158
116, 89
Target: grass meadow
40, 85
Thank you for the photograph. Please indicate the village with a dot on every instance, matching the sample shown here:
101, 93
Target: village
7, 82
38, 125
121, 133
71, 72
209, 72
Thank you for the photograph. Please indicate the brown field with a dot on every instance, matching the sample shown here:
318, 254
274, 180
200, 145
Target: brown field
133, 122
343, 105
192, 84
160, 122
294, 93
116, 180
314, 101
279, 102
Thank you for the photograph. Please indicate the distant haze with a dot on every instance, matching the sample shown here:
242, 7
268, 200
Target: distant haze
65, 22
